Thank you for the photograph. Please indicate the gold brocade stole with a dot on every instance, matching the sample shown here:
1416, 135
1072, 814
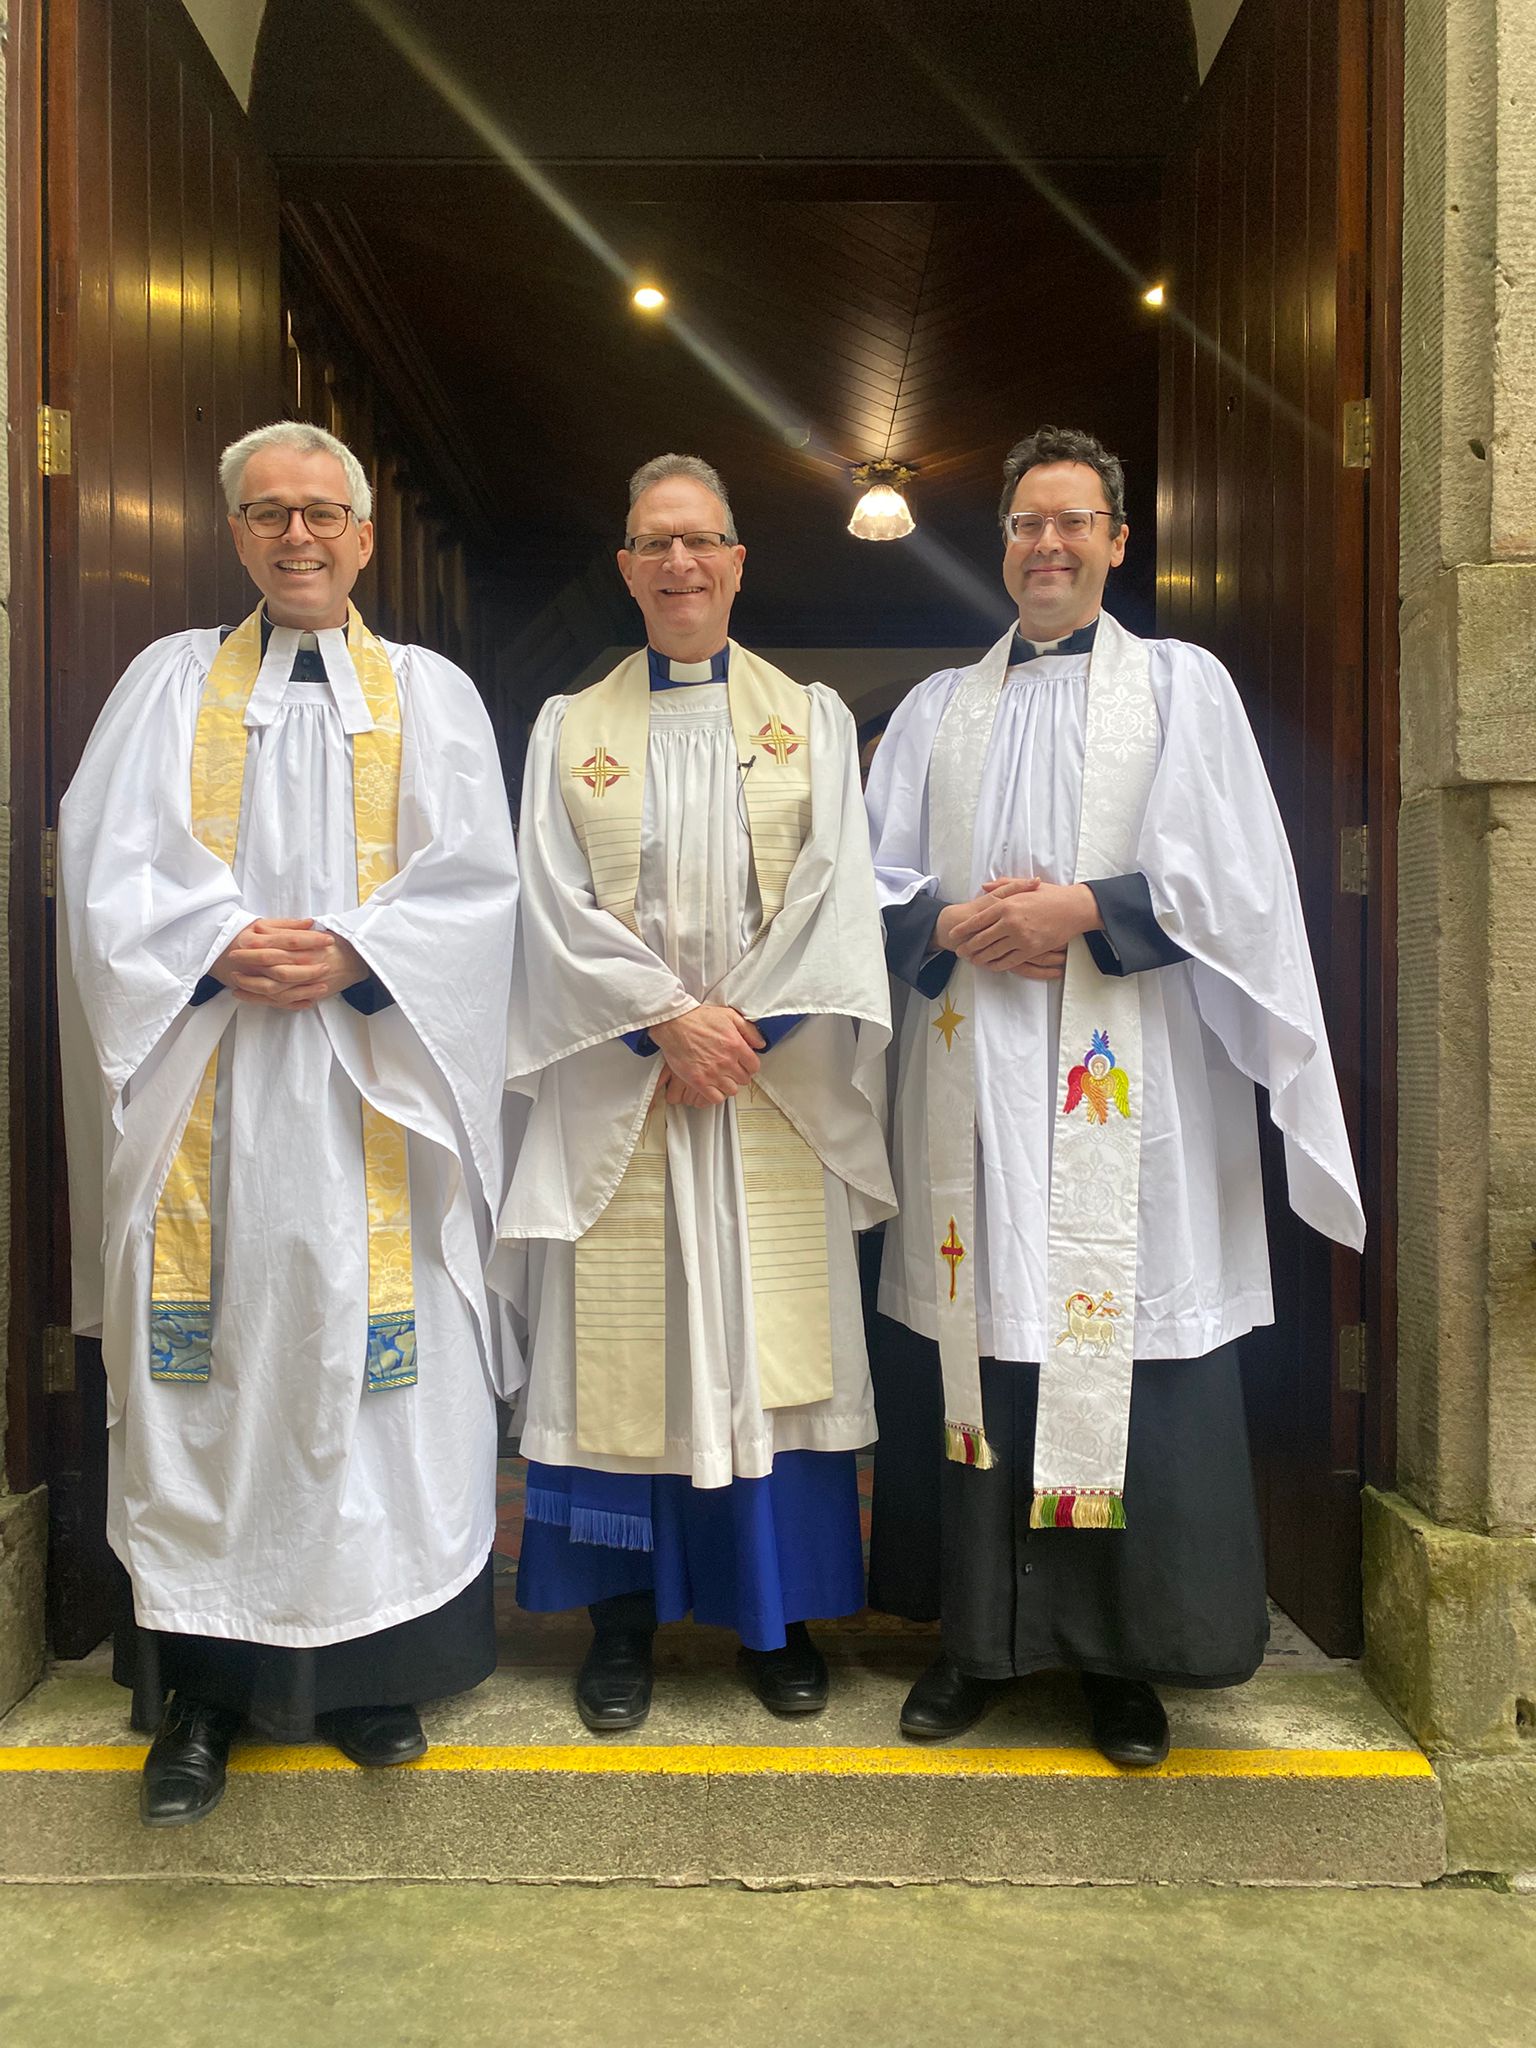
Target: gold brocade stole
621, 1306
181, 1303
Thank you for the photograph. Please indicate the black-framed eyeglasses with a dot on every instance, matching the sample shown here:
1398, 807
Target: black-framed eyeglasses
651, 547
1074, 524
268, 519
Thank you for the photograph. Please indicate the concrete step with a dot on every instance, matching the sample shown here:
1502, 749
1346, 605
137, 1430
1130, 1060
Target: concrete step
1300, 1777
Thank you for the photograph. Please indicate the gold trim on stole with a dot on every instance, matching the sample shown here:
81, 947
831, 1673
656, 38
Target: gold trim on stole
620, 1263
181, 1306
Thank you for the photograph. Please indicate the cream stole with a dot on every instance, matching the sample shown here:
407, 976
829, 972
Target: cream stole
181, 1305
621, 1290
1085, 1390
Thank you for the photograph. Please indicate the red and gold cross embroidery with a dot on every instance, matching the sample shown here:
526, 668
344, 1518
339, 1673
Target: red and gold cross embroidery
600, 771
780, 740
953, 1250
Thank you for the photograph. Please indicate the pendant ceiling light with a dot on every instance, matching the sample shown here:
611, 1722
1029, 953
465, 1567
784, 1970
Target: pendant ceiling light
883, 512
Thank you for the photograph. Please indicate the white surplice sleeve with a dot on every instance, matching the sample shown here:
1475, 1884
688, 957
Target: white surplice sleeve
144, 911
1214, 852
148, 907
439, 933
897, 796
581, 976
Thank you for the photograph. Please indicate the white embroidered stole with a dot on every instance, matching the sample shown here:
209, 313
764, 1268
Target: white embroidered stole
1085, 1377
621, 1260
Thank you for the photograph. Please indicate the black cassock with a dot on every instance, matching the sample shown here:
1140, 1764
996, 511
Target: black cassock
279, 1691
1177, 1596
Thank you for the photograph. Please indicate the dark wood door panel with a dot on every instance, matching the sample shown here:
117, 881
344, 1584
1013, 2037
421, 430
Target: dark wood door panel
161, 337
1262, 558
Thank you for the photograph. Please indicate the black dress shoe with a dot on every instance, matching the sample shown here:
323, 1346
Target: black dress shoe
374, 1736
946, 1700
1127, 1718
184, 1771
792, 1680
613, 1686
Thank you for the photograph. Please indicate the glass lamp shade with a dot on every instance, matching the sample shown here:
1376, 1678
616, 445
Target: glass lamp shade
881, 514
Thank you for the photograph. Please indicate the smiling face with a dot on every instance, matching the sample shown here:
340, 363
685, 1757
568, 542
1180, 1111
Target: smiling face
1058, 585
685, 598
305, 580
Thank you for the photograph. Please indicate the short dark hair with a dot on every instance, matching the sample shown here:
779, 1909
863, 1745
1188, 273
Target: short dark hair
1065, 444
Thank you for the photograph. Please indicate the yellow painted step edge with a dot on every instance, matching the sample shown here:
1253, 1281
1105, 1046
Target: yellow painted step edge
724, 1760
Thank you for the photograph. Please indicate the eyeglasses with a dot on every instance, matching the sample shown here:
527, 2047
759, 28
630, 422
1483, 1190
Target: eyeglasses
1072, 525
651, 547
267, 518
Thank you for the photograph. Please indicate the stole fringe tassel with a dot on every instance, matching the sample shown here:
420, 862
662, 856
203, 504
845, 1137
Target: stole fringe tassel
600, 1526
1077, 1511
965, 1443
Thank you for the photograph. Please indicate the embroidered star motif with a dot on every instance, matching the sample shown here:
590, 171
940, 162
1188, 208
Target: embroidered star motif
948, 1022
953, 1250
600, 771
780, 740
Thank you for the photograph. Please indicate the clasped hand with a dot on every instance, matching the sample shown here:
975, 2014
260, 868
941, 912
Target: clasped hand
287, 964
708, 1054
1019, 925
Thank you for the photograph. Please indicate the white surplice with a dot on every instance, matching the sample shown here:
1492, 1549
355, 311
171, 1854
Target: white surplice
1242, 1009
281, 1503
582, 979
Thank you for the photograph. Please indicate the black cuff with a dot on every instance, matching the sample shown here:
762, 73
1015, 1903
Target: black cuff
909, 945
1132, 940
367, 996
205, 991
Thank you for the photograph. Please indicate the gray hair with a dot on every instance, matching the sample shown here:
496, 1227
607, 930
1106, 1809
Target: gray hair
695, 469
307, 440
1065, 444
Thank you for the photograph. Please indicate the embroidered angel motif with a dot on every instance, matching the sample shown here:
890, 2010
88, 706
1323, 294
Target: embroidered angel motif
1099, 1081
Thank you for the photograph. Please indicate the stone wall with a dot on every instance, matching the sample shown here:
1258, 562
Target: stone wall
1451, 1557
23, 1520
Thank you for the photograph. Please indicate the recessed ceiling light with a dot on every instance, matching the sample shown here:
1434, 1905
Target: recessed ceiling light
649, 299
1154, 296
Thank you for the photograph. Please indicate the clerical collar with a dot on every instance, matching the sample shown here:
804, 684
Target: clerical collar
1071, 643
308, 644
667, 674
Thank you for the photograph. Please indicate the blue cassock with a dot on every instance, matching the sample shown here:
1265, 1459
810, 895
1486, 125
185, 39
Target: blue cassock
750, 1556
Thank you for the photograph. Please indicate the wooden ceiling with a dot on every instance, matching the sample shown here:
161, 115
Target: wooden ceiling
826, 308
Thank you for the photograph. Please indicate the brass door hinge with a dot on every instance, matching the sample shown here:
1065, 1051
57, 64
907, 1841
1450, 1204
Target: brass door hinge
1355, 860
1357, 433
1352, 1359
55, 441
50, 861
58, 1360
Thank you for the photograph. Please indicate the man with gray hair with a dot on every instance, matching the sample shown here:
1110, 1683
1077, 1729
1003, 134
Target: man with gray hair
1087, 889
288, 898
699, 1014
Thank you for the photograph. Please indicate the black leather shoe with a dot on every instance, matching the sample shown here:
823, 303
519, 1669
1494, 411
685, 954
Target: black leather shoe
613, 1686
946, 1700
788, 1681
1127, 1718
184, 1771
375, 1736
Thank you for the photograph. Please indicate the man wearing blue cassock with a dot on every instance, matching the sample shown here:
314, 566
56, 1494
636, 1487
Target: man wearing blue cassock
699, 1019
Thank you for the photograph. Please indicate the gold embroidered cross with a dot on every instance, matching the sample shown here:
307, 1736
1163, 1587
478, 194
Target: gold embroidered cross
600, 771
948, 1021
953, 1250
779, 740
